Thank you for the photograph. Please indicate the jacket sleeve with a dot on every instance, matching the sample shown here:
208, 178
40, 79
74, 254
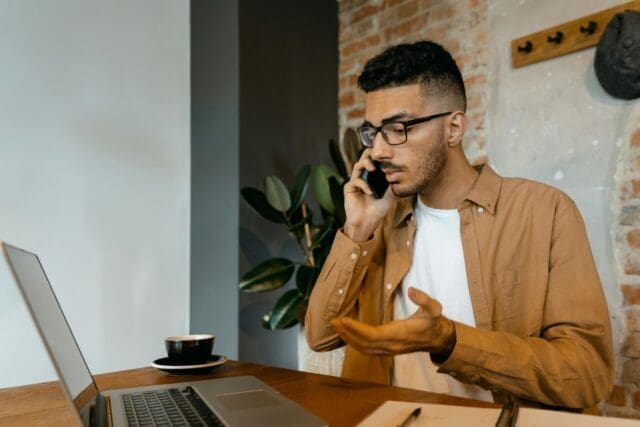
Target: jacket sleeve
571, 362
336, 291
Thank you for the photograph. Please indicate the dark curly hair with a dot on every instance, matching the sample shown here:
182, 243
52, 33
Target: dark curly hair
422, 62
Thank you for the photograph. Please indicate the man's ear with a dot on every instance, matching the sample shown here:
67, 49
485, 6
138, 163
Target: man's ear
457, 126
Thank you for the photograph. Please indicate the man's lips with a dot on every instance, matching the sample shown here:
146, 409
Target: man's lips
391, 174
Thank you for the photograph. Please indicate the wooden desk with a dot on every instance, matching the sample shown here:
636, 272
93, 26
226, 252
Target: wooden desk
338, 401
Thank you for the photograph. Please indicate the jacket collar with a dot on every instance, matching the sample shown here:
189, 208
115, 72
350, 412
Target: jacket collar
485, 192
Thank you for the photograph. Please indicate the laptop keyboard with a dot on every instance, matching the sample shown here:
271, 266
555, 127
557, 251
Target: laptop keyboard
168, 407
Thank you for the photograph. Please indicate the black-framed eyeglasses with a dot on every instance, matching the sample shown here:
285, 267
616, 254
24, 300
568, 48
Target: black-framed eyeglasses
394, 133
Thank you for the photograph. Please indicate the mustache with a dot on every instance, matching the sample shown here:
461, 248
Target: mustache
387, 165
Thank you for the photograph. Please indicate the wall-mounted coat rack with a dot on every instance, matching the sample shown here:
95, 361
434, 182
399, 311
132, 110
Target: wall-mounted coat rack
564, 38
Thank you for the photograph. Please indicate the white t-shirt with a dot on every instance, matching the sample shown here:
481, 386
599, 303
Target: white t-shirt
438, 269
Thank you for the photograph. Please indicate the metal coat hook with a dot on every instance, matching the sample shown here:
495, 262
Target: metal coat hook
526, 48
557, 38
591, 28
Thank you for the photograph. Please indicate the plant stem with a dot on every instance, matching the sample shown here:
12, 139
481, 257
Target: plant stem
307, 234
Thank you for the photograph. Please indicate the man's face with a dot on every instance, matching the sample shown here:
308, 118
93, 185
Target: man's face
413, 166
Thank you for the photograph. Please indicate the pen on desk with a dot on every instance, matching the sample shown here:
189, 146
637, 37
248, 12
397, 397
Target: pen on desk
509, 414
411, 417
514, 414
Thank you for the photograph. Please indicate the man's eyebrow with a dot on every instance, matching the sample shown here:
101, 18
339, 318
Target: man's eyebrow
391, 119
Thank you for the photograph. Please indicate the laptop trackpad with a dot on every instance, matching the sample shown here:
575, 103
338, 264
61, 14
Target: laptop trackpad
247, 400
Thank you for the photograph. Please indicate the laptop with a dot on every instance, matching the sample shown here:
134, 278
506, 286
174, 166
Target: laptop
232, 401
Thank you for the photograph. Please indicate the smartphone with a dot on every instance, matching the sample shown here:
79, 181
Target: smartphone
377, 180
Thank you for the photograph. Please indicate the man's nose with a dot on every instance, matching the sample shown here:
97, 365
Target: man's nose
381, 149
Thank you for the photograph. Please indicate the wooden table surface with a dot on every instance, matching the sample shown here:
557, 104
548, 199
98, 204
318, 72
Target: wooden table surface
338, 401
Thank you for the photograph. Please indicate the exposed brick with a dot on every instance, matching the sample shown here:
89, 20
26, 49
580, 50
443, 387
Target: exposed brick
362, 28
631, 371
343, 83
391, 3
635, 138
617, 397
408, 9
406, 28
347, 5
631, 346
356, 113
345, 34
347, 65
346, 99
632, 264
636, 400
631, 294
631, 189
365, 11
633, 237
630, 215
359, 45
441, 12
633, 321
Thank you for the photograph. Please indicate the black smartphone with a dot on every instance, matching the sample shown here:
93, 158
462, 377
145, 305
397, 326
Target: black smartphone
377, 180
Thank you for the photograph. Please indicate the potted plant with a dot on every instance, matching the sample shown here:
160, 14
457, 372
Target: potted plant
313, 232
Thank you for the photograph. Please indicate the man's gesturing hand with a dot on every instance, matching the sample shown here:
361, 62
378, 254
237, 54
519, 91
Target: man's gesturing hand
426, 330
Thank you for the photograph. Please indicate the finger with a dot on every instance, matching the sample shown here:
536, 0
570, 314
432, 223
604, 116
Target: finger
364, 162
355, 185
430, 305
363, 338
368, 164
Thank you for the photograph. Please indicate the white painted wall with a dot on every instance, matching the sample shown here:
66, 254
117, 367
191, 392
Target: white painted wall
553, 122
94, 174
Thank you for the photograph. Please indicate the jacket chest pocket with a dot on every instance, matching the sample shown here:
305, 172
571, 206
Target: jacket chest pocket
517, 307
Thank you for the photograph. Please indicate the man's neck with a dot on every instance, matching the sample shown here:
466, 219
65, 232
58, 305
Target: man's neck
453, 184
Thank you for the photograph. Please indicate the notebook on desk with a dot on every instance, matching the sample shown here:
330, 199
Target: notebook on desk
233, 401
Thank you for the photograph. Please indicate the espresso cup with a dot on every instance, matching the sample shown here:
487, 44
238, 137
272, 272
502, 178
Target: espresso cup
189, 349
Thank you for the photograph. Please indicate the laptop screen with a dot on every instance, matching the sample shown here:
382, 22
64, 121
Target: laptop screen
52, 325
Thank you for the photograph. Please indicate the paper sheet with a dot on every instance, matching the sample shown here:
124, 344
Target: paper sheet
392, 413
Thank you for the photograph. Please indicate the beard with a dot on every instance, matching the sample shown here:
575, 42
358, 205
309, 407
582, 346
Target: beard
430, 166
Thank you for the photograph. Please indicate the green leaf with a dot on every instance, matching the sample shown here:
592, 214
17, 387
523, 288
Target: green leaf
258, 201
283, 314
304, 279
352, 147
301, 310
320, 181
324, 232
268, 275
300, 186
266, 319
337, 196
336, 156
277, 193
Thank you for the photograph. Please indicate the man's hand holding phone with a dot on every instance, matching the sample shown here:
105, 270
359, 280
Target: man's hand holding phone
363, 210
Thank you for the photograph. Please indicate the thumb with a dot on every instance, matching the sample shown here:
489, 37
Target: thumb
424, 301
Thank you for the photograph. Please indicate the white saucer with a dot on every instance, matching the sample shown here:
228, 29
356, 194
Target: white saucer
165, 364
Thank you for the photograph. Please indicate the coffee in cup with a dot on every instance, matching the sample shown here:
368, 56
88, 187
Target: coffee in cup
189, 349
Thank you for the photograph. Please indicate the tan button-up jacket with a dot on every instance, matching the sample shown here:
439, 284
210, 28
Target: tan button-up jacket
542, 330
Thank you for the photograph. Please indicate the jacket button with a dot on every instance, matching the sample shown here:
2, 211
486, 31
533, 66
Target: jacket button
389, 286
354, 255
480, 209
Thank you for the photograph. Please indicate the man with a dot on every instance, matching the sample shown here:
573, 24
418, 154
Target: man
457, 280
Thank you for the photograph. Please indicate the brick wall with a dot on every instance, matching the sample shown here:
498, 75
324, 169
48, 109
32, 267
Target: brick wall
367, 27
625, 397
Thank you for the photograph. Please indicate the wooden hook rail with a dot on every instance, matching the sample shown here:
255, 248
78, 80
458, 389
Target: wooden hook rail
564, 38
